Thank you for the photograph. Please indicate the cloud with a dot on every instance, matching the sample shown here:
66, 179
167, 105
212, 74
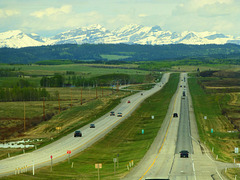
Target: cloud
142, 15
65, 9
202, 3
8, 12
193, 6
205, 15
61, 22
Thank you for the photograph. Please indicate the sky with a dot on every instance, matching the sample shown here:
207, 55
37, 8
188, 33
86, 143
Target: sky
49, 17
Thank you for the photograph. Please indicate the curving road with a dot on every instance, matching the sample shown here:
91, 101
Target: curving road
58, 149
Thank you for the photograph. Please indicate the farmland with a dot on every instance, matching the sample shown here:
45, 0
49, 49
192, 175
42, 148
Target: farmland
123, 140
49, 118
217, 98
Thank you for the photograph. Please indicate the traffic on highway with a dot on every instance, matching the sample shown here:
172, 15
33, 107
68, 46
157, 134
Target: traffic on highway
78, 140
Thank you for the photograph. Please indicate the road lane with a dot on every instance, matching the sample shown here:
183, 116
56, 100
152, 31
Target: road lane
158, 160
184, 141
163, 161
58, 149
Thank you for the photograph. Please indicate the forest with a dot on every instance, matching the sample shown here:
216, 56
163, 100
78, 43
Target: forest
121, 52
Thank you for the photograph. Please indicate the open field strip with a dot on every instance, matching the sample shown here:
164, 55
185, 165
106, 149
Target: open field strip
80, 69
215, 131
80, 115
126, 140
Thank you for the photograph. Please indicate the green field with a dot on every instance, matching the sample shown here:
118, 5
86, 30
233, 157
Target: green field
80, 69
113, 57
208, 104
126, 140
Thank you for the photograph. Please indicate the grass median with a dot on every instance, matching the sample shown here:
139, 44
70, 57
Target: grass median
126, 140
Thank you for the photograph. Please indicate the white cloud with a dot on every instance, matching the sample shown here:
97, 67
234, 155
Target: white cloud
121, 19
8, 12
65, 9
201, 3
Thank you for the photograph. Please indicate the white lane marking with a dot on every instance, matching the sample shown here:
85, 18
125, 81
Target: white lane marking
194, 172
219, 174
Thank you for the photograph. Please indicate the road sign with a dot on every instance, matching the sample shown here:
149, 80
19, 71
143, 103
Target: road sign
142, 131
51, 161
211, 130
114, 159
236, 150
98, 166
152, 117
205, 117
69, 151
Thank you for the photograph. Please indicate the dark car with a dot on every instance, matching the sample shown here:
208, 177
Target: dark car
141, 94
77, 134
175, 115
184, 154
180, 85
112, 113
184, 94
119, 114
92, 125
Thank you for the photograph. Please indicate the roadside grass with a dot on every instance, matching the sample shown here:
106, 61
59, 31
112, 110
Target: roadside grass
140, 87
231, 173
69, 119
126, 140
208, 105
205, 67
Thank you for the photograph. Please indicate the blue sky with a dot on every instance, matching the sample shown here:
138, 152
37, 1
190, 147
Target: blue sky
47, 17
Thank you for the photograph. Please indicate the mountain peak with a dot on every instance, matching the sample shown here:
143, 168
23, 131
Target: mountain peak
156, 28
129, 34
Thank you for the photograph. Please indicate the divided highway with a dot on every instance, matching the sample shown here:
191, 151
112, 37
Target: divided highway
58, 149
163, 160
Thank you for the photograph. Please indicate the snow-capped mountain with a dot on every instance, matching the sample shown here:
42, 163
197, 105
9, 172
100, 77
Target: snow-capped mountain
129, 34
18, 39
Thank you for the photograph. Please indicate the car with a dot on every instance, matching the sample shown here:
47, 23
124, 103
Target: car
180, 85
184, 94
77, 134
184, 86
92, 125
175, 114
112, 113
141, 94
119, 114
184, 154
129, 101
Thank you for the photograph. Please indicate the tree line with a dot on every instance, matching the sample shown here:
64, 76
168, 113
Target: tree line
135, 52
22, 91
23, 94
102, 80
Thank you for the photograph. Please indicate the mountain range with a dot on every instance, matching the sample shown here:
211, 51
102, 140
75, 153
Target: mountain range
129, 34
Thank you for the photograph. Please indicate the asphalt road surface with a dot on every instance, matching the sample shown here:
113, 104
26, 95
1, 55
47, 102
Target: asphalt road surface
163, 161
58, 149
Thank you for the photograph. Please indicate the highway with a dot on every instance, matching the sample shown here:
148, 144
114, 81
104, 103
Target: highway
162, 161
58, 149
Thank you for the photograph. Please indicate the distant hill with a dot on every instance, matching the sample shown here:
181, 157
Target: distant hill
122, 52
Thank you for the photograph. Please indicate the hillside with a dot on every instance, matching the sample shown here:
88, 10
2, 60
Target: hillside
124, 52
